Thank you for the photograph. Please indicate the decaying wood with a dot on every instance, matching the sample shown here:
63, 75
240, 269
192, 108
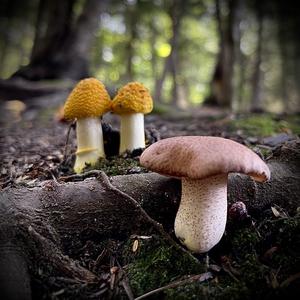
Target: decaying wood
39, 226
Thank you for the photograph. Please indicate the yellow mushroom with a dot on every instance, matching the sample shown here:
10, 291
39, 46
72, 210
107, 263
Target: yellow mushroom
86, 103
131, 103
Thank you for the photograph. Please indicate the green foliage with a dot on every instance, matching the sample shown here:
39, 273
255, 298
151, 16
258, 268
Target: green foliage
198, 46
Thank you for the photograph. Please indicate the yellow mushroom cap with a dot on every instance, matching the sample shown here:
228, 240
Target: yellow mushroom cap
134, 97
88, 99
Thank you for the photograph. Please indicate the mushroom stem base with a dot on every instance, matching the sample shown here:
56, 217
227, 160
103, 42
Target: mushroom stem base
201, 217
132, 132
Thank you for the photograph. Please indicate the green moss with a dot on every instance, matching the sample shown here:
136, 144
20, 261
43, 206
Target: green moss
256, 266
156, 264
293, 123
266, 125
118, 165
223, 289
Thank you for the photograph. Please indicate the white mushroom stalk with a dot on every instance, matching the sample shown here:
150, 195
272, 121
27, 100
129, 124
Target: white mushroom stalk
89, 143
132, 132
201, 218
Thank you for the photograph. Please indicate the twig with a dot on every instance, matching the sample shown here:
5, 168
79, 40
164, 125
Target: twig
289, 280
99, 259
67, 139
80, 177
53, 176
155, 224
7, 182
200, 278
125, 282
127, 288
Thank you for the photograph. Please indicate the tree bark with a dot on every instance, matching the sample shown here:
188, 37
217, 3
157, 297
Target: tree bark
62, 51
39, 226
257, 96
131, 23
8, 11
176, 13
222, 80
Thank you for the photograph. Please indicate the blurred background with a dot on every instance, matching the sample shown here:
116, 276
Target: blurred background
240, 55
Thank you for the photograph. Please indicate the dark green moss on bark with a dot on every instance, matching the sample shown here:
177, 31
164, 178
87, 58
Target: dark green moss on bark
259, 263
156, 263
118, 165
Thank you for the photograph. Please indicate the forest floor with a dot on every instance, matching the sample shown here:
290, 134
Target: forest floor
37, 145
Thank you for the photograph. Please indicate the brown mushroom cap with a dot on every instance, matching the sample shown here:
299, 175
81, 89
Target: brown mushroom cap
198, 157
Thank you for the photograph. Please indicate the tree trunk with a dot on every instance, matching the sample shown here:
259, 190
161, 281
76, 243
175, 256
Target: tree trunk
153, 39
222, 81
176, 14
131, 23
256, 101
63, 49
9, 9
296, 59
289, 45
238, 80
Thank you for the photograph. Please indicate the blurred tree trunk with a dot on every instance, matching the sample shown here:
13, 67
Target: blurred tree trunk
176, 13
222, 81
257, 95
131, 23
42, 15
153, 38
289, 45
296, 59
297, 74
239, 59
62, 50
8, 7
284, 35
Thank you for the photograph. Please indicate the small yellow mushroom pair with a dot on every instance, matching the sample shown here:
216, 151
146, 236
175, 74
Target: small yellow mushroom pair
89, 100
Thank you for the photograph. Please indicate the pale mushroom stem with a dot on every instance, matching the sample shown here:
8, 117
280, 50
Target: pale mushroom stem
201, 217
89, 143
132, 132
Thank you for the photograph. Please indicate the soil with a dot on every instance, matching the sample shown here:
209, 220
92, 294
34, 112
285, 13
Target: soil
258, 257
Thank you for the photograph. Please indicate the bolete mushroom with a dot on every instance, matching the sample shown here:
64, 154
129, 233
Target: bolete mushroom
203, 164
131, 102
86, 103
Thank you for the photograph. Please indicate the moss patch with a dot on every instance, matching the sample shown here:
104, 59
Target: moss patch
118, 165
155, 264
258, 263
266, 125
